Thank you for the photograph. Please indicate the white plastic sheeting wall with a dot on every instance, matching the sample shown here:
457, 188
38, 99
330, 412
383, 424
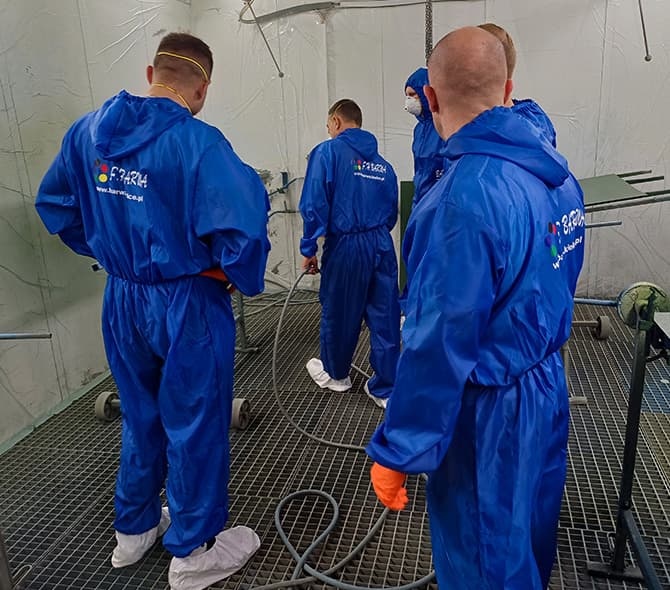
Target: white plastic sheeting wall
581, 59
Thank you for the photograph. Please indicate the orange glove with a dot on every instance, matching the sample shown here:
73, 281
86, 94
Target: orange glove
389, 486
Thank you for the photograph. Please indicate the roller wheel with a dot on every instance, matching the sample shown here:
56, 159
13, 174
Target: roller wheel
107, 406
241, 416
604, 328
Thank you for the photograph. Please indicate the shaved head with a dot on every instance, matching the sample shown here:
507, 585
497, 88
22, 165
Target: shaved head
504, 37
468, 75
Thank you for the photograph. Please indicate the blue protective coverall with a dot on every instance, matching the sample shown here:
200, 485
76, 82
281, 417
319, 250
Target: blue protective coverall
480, 402
532, 111
529, 110
427, 144
350, 196
157, 197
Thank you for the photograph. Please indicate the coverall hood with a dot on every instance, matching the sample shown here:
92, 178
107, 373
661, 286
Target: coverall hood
417, 81
532, 111
126, 123
496, 133
361, 141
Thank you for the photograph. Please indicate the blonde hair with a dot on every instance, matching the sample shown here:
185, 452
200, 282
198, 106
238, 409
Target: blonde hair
503, 36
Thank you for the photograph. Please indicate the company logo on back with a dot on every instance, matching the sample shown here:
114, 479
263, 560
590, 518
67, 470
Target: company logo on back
106, 175
370, 170
566, 227
105, 172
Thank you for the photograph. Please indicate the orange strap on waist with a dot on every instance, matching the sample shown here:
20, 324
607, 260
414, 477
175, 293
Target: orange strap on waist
219, 275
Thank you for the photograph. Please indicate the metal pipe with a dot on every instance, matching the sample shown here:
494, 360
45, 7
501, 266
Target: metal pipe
637, 173
565, 356
599, 302
335, 5
285, 12
642, 342
653, 197
647, 56
643, 559
278, 211
25, 336
603, 224
267, 44
643, 180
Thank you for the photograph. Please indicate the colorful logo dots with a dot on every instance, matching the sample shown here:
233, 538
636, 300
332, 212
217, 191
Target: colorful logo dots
103, 171
551, 239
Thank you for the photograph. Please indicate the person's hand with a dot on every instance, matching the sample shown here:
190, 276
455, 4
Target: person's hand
311, 265
389, 486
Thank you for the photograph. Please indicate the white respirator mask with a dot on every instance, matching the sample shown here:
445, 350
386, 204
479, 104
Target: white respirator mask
413, 106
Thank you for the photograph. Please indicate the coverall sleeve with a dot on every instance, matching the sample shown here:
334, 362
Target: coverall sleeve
393, 212
58, 207
450, 300
315, 202
231, 214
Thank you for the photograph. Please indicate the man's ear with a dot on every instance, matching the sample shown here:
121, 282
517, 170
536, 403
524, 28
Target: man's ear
201, 92
509, 88
150, 74
431, 97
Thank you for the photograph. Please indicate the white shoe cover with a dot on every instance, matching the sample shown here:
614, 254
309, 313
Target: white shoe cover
380, 401
324, 380
164, 522
131, 548
231, 551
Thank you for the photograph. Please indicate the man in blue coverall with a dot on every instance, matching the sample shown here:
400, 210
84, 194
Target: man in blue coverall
158, 198
426, 142
350, 196
480, 401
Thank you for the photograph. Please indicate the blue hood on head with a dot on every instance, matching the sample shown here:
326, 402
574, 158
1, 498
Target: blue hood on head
363, 142
417, 81
532, 111
126, 123
501, 133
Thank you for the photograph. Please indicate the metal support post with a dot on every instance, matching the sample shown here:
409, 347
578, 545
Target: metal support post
5, 575
575, 400
626, 529
241, 326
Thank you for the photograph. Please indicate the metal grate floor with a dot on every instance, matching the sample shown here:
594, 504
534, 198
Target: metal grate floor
56, 486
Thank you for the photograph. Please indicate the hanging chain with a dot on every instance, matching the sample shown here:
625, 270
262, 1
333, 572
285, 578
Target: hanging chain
429, 28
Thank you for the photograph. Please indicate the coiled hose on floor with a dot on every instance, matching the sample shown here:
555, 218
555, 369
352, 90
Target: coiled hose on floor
301, 560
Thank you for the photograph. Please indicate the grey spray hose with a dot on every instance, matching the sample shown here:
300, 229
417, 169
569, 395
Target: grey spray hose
301, 560
275, 387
